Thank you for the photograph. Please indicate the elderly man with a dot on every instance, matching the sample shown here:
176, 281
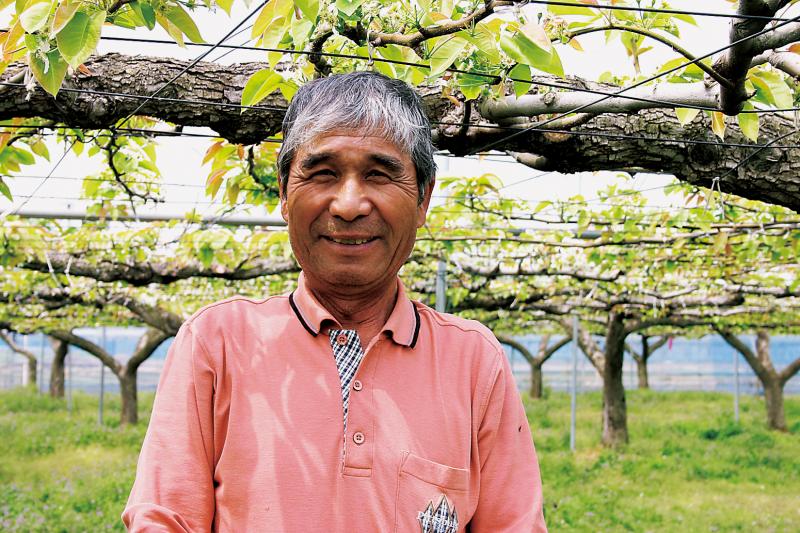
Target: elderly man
343, 406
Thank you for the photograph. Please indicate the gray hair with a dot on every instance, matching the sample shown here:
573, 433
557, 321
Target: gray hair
368, 102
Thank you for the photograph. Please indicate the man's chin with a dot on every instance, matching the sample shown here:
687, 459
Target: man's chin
346, 280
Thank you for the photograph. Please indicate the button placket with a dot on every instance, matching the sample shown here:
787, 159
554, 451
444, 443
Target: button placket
357, 385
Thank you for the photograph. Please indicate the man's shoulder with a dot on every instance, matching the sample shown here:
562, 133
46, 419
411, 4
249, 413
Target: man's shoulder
469, 330
236, 306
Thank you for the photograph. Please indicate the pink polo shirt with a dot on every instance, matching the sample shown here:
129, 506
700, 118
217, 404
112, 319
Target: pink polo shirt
247, 428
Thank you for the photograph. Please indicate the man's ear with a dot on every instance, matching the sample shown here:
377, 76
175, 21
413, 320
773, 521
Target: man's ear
426, 201
282, 196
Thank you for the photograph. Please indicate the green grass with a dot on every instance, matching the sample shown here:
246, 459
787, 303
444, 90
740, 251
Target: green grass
687, 468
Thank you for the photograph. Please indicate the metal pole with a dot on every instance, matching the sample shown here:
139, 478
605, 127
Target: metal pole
441, 285
69, 383
574, 386
735, 386
40, 366
102, 384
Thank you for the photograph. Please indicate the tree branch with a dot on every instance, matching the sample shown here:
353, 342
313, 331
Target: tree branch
146, 273
89, 347
148, 343
16, 348
734, 63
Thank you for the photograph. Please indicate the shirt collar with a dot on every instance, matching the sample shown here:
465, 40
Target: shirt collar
402, 325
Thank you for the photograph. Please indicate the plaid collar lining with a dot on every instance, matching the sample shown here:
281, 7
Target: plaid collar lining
402, 325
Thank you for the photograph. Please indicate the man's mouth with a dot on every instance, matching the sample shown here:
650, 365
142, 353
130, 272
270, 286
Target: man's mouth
351, 242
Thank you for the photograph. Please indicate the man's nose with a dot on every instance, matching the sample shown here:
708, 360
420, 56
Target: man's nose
351, 200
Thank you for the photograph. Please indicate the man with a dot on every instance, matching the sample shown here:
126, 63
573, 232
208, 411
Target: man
343, 406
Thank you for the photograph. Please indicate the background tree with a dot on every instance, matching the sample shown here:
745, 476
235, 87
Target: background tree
642, 356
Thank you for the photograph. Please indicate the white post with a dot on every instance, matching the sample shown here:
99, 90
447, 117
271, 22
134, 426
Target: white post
69, 382
102, 384
735, 387
441, 285
574, 385
40, 366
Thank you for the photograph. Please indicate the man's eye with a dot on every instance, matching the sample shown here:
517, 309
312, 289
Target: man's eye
378, 176
322, 175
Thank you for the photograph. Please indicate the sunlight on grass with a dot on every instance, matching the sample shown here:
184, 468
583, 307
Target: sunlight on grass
688, 466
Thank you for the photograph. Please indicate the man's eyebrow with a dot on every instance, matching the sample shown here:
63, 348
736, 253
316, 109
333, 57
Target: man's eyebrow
390, 162
312, 160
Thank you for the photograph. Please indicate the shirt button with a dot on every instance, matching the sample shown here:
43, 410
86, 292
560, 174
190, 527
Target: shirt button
358, 437
341, 339
357, 385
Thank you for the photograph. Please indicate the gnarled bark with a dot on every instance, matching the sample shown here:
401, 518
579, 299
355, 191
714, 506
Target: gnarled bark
771, 174
615, 409
60, 351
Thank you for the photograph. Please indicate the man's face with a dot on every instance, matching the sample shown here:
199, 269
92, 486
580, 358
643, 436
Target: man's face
351, 204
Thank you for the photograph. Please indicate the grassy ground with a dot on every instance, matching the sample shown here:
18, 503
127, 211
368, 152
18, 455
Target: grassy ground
688, 467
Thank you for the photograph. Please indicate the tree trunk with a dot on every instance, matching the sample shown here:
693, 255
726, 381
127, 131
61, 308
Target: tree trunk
128, 393
641, 371
615, 412
536, 381
32, 375
60, 350
773, 395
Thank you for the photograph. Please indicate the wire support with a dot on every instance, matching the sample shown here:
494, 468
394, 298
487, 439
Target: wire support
495, 78
658, 10
580, 133
640, 83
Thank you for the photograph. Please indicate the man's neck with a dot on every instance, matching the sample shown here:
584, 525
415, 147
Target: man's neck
366, 312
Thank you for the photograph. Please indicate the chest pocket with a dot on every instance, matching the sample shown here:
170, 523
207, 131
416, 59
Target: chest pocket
431, 497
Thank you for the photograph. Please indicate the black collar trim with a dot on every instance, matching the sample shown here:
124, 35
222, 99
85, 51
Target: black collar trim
416, 326
299, 315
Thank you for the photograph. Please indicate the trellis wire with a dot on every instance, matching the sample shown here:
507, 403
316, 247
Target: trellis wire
656, 10
643, 82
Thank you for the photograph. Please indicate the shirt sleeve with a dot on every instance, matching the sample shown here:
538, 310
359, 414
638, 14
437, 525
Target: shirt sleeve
174, 490
510, 498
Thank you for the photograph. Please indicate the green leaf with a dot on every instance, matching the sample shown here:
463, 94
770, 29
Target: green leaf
310, 8
171, 29
225, 5
579, 9
773, 84
348, 7
300, 30
80, 36
259, 86
40, 148
64, 14
483, 37
181, 19
471, 85
685, 116
522, 49
145, 12
5, 191
50, 74
718, 124
35, 15
445, 52
748, 123
521, 72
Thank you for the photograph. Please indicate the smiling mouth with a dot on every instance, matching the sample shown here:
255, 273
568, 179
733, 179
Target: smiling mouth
351, 242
